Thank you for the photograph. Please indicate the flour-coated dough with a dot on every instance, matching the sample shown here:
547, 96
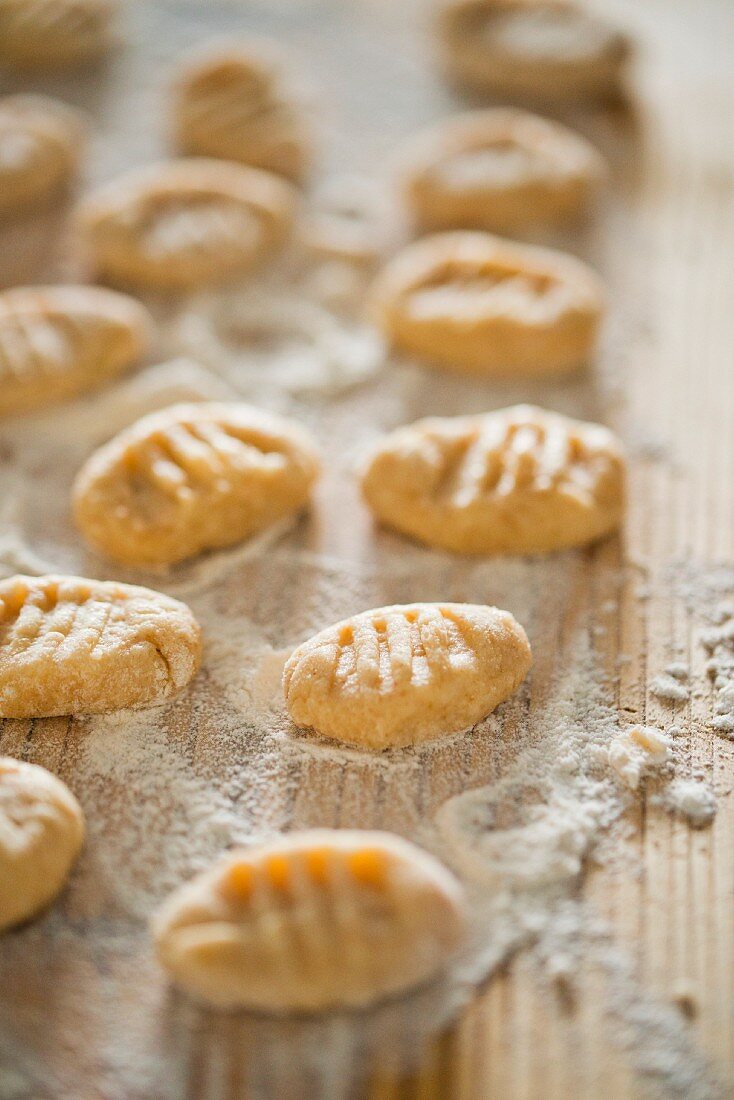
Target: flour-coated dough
40, 146
472, 302
400, 675
312, 921
57, 341
517, 481
55, 34
192, 478
537, 50
41, 833
502, 169
183, 224
74, 646
237, 101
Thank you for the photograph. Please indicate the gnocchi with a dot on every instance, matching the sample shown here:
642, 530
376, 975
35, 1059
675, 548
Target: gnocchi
312, 921
192, 478
55, 34
40, 140
502, 169
517, 481
75, 646
401, 675
472, 302
58, 341
535, 49
186, 223
237, 102
41, 834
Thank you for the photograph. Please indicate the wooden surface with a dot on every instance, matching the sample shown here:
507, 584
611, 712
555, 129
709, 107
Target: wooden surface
666, 247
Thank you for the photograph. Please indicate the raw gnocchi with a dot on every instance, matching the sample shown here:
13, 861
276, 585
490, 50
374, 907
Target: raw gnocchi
472, 302
52, 34
41, 834
400, 675
502, 169
517, 481
186, 223
75, 646
312, 921
237, 102
535, 49
57, 341
192, 478
40, 144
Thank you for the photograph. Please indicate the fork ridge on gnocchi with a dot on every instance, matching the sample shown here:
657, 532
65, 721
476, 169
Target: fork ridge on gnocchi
58, 341
479, 304
74, 646
40, 149
517, 481
50, 34
235, 102
192, 478
400, 675
183, 224
312, 921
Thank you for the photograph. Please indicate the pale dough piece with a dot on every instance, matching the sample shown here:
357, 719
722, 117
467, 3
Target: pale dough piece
51, 34
502, 169
312, 921
400, 675
535, 49
75, 646
186, 223
40, 146
238, 102
41, 834
192, 478
483, 305
517, 481
57, 341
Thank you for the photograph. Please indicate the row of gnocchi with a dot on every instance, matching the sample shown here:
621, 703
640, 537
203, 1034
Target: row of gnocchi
381, 915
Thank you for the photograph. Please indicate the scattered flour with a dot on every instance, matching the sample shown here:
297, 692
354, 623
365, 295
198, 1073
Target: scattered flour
669, 688
637, 751
691, 799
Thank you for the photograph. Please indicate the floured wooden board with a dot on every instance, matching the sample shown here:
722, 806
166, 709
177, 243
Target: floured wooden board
602, 952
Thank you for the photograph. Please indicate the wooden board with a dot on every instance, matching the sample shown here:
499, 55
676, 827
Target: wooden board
665, 245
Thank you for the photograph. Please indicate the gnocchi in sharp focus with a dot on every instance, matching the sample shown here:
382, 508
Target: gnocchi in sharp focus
41, 833
236, 102
400, 675
74, 646
40, 145
312, 921
57, 341
480, 304
502, 169
535, 49
185, 223
192, 478
517, 481
53, 34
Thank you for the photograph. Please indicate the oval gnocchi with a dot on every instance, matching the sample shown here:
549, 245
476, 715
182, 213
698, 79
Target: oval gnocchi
502, 169
57, 341
75, 646
41, 834
535, 49
192, 478
53, 34
517, 481
40, 141
479, 304
312, 921
237, 102
405, 674
185, 223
